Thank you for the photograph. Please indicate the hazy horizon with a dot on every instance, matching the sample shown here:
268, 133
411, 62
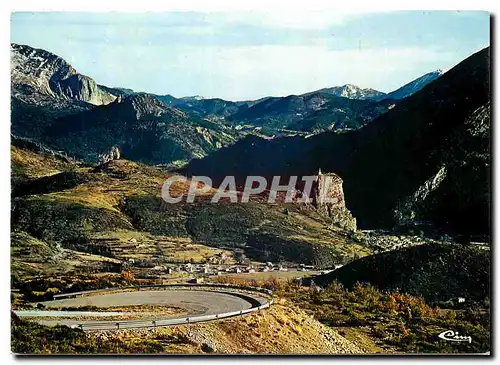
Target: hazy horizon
244, 56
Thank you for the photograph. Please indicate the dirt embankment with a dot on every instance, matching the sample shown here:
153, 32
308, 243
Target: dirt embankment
282, 329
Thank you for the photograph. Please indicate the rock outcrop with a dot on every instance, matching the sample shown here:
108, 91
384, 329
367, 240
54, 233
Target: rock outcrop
114, 154
328, 198
36, 71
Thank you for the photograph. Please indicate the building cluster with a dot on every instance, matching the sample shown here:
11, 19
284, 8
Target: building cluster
217, 264
222, 269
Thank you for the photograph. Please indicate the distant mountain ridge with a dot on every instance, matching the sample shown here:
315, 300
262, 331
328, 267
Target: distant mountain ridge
413, 86
53, 102
351, 92
292, 112
313, 111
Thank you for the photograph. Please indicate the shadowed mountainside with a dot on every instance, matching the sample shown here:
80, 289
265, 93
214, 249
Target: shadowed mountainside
437, 272
387, 161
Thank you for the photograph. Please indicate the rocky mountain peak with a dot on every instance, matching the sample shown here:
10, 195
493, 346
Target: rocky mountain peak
146, 106
351, 91
37, 68
42, 72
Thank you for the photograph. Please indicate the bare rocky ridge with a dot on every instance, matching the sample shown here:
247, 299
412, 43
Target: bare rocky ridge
47, 74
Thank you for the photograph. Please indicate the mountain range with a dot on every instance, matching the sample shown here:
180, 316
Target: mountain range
406, 157
70, 112
419, 154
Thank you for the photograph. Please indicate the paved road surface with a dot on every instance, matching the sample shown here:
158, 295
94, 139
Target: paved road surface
201, 306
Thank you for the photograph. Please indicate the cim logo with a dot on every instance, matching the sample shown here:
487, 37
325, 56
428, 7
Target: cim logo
450, 335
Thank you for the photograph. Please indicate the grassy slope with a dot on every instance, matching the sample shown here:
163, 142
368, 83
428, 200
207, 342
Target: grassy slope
391, 321
115, 211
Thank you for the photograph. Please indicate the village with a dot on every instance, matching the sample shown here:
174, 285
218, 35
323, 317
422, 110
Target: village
217, 265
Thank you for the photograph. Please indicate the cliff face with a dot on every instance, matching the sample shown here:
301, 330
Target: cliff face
328, 198
461, 185
36, 71
81, 87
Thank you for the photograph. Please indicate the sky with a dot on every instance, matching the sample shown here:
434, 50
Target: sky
248, 55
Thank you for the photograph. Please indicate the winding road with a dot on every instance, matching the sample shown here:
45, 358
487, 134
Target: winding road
200, 305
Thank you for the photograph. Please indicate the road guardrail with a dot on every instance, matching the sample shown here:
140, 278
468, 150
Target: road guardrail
173, 321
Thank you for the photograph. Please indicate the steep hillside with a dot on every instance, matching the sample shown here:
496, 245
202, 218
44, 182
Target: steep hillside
32, 160
30, 118
461, 188
404, 148
100, 210
142, 127
436, 272
391, 158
